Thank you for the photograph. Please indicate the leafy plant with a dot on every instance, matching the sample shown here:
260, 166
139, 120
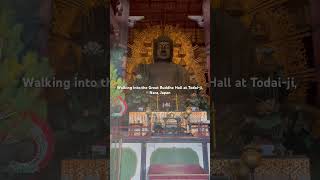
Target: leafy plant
137, 98
196, 100
10, 34
115, 81
15, 69
117, 55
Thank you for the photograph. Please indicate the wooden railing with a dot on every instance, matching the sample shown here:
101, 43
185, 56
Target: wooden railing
140, 130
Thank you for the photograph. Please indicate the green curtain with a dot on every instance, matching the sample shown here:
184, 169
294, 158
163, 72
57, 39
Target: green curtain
174, 156
128, 164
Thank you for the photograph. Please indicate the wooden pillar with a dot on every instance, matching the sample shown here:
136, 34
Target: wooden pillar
216, 3
206, 17
114, 36
119, 21
143, 170
45, 20
123, 22
315, 14
205, 156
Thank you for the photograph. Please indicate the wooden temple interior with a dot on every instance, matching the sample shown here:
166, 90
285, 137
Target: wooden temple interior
174, 124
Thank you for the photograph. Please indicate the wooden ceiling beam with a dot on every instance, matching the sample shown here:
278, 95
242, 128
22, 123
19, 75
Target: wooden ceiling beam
146, 13
166, 11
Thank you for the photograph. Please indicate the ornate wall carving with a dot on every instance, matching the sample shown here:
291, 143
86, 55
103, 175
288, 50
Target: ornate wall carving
287, 168
82, 169
277, 30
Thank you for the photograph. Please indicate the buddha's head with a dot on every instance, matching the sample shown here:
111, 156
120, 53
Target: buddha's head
163, 49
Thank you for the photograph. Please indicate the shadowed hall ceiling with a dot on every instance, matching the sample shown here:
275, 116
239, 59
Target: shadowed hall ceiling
172, 12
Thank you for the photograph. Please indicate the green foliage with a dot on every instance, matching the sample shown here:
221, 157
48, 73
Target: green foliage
128, 162
136, 99
86, 109
116, 56
174, 156
10, 34
13, 93
197, 100
115, 80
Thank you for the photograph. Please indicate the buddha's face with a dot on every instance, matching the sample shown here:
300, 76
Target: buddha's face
163, 51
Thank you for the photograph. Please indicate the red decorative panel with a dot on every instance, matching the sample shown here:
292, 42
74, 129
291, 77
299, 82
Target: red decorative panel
177, 172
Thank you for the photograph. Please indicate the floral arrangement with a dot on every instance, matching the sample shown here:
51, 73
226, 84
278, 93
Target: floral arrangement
198, 101
116, 79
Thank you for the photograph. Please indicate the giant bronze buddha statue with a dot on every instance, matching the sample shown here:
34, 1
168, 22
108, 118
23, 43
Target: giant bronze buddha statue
162, 71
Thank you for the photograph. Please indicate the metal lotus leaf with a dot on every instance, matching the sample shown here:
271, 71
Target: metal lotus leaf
93, 48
